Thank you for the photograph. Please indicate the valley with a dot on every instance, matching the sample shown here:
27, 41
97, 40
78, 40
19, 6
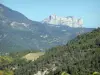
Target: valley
79, 56
53, 46
18, 33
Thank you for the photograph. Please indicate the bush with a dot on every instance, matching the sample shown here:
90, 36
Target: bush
64, 73
96, 73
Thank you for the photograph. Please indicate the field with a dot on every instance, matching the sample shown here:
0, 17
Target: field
33, 56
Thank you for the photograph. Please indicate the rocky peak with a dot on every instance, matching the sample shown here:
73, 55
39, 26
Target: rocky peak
70, 21
52, 17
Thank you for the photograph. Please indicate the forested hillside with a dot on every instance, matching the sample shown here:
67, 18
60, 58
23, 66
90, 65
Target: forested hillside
9, 62
81, 56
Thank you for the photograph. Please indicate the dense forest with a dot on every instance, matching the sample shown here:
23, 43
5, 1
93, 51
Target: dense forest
80, 56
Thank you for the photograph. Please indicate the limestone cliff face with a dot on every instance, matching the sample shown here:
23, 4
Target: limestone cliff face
70, 21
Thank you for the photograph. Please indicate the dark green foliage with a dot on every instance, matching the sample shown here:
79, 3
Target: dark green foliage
97, 42
81, 56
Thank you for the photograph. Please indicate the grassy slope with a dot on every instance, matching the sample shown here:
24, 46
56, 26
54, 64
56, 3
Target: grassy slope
33, 56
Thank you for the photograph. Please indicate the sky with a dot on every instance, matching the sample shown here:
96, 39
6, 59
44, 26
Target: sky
37, 10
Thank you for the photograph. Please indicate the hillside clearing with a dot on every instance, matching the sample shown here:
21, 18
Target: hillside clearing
33, 56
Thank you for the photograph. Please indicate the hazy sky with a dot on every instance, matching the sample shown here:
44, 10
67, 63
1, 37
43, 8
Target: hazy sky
37, 10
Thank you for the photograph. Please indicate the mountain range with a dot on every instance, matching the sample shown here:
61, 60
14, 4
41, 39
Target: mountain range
17, 32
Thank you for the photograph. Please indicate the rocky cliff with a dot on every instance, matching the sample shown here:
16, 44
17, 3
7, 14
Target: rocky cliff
70, 21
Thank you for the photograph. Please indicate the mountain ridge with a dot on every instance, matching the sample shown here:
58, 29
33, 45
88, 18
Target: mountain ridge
23, 34
9, 13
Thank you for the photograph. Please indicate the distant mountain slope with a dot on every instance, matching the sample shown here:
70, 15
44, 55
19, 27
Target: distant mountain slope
13, 15
17, 32
81, 56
